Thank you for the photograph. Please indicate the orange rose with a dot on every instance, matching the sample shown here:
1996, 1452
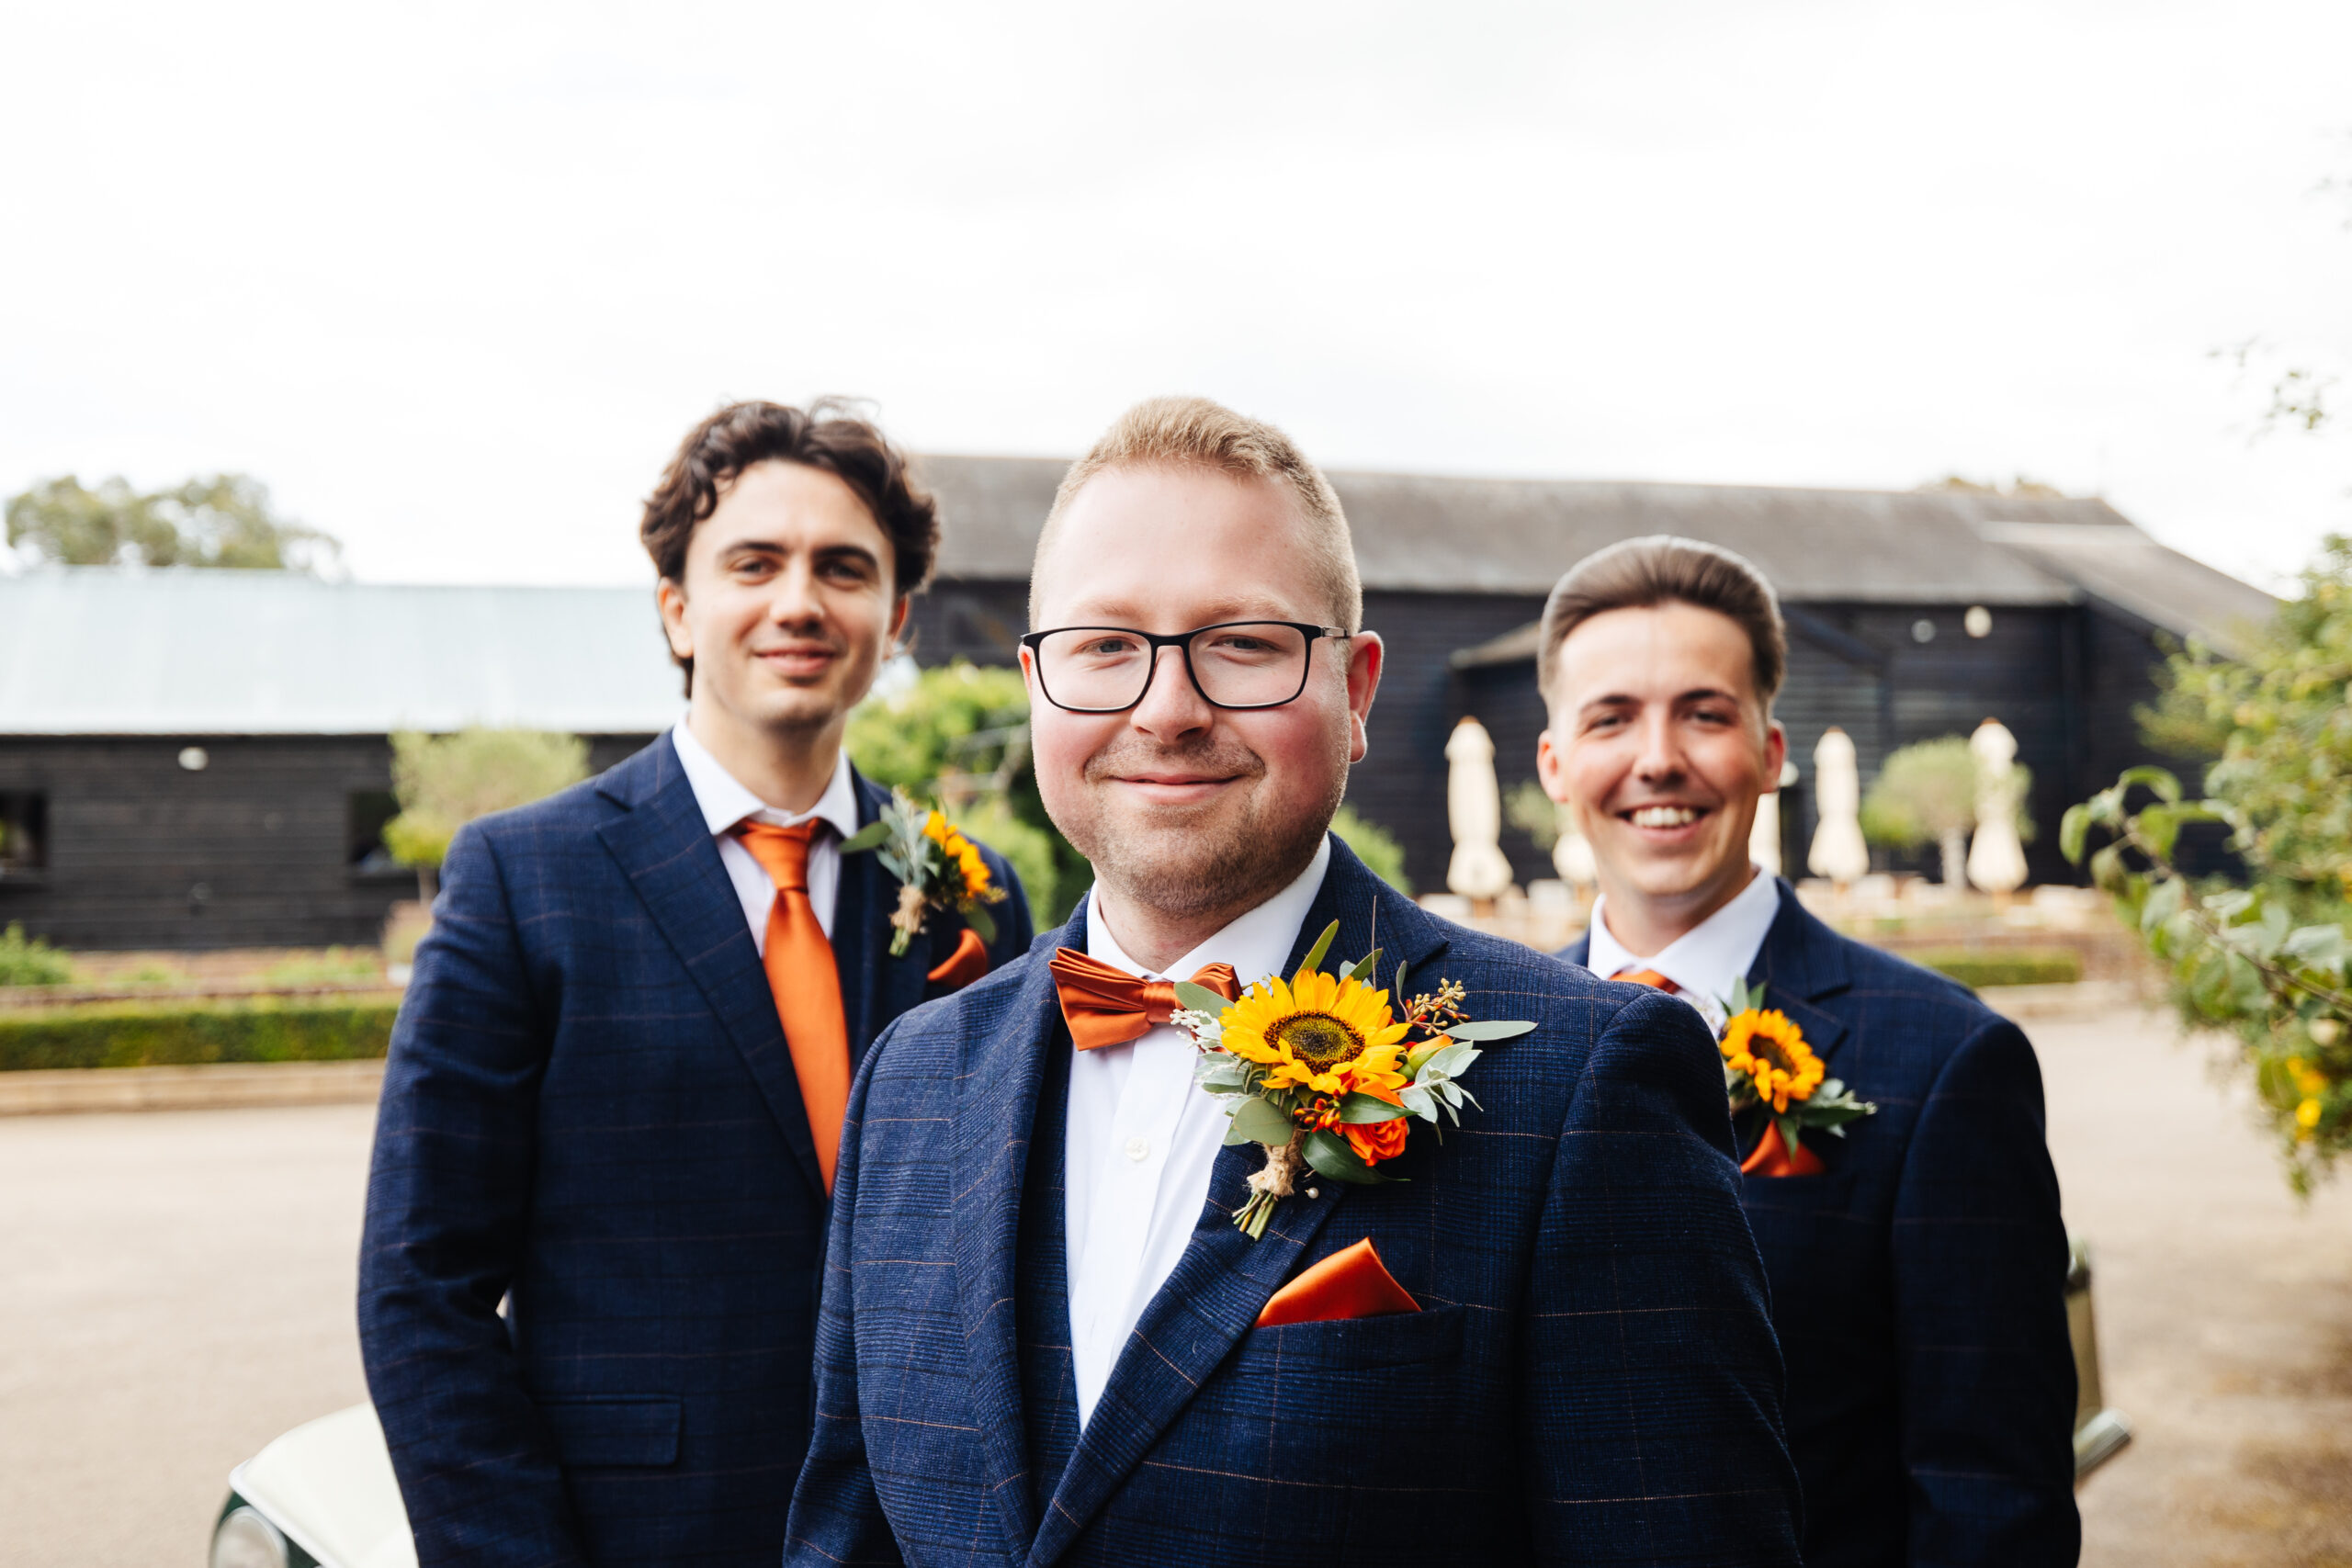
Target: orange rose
1377, 1141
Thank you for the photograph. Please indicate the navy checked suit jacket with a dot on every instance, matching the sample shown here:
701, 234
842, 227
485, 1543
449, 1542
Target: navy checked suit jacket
1591, 1379
589, 1110
1918, 1283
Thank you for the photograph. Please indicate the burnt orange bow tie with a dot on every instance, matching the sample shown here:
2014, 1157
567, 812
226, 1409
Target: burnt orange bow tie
1107, 1005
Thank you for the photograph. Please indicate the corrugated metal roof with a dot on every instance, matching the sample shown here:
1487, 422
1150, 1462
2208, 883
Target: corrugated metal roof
1443, 534
2129, 569
100, 652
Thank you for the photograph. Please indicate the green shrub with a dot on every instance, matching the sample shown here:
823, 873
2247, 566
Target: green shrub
1977, 967
143, 1034
329, 967
28, 961
1375, 846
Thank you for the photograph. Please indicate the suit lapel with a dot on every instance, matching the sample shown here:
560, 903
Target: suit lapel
1799, 965
996, 1106
876, 987
1224, 1279
665, 848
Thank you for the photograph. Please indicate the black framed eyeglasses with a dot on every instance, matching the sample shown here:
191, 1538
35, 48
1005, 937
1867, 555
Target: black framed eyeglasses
1234, 664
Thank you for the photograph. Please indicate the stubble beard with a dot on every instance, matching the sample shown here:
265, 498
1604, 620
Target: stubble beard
1186, 865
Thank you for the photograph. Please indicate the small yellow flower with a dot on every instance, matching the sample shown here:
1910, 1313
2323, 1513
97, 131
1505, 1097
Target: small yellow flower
1320, 1031
1768, 1048
2307, 1114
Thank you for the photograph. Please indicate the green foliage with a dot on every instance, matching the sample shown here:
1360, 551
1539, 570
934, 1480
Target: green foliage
1375, 846
28, 961
215, 520
2265, 960
329, 966
1923, 791
959, 735
445, 780
1533, 813
141, 1034
1975, 967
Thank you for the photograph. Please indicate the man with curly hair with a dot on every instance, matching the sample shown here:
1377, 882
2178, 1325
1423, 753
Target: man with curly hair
613, 1103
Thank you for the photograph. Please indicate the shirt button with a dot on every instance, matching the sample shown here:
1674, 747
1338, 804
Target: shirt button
1138, 1148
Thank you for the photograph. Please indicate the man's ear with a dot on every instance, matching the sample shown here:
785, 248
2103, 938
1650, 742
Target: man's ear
1550, 768
671, 599
1365, 652
898, 620
1776, 755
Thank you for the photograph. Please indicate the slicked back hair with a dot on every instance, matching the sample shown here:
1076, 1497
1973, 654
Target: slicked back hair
1196, 433
1661, 569
831, 435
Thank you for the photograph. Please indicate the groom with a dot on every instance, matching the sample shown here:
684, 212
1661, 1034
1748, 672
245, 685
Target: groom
589, 1276
1040, 1338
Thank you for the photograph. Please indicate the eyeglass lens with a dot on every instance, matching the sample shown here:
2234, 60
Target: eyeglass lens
1258, 664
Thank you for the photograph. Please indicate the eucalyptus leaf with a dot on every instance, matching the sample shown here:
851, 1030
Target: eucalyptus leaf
1258, 1123
1362, 968
1418, 1101
1200, 998
1330, 1154
866, 838
1366, 1108
983, 924
1322, 945
1498, 1029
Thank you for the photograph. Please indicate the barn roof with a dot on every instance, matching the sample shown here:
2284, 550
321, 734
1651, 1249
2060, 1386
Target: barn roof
1447, 535
93, 650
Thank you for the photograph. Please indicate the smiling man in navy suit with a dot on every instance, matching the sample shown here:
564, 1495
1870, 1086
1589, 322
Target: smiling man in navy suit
615, 1093
1045, 1340
1918, 1264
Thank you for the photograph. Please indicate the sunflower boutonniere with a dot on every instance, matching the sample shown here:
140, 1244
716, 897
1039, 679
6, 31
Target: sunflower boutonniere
1325, 1074
937, 868
1774, 1078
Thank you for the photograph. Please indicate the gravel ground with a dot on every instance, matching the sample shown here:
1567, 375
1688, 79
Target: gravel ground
178, 1291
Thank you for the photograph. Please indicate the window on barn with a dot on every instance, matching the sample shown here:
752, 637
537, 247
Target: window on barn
367, 810
23, 832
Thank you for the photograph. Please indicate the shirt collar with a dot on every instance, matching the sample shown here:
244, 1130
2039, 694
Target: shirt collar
1257, 944
1706, 959
725, 802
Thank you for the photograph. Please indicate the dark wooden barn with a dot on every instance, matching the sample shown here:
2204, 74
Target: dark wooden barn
1912, 614
200, 759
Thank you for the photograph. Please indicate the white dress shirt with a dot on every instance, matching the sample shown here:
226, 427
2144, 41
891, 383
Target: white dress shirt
1707, 958
725, 802
1142, 1140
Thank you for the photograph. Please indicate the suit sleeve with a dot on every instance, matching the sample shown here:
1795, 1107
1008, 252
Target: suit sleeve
448, 1198
836, 1517
1979, 1259
1654, 1382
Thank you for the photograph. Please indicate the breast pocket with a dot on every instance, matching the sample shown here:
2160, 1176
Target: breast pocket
624, 1430
1400, 1339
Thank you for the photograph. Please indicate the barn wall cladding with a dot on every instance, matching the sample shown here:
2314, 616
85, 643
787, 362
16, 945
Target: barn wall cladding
290, 687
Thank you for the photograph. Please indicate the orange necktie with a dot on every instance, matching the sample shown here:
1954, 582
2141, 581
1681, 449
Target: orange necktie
1649, 977
807, 986
1107, 1005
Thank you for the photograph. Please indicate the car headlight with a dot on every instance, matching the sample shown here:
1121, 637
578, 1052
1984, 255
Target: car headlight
244, 1539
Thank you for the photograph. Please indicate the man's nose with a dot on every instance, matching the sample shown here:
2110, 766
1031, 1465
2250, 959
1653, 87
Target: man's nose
1661, 754
792, 597
1171, 704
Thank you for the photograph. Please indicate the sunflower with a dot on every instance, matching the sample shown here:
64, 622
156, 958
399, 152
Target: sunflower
1320, 1033
1771, 1050
962, 852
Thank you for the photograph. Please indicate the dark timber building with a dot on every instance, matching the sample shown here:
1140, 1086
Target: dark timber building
200, 759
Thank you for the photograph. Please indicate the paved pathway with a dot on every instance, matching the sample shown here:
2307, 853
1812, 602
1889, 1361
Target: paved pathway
178, 1291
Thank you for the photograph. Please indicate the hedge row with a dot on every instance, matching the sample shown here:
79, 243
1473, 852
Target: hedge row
146, 1035
1978, 967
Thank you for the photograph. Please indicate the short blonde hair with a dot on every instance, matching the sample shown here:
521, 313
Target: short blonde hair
1195, 431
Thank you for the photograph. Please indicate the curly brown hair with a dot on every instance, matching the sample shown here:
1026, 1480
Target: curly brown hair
831, 434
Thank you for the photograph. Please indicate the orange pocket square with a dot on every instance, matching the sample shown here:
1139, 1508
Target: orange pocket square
961, 968
1348, 1284
1770, 1157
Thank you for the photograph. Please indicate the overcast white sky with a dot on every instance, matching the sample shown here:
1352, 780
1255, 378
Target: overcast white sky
452, 279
